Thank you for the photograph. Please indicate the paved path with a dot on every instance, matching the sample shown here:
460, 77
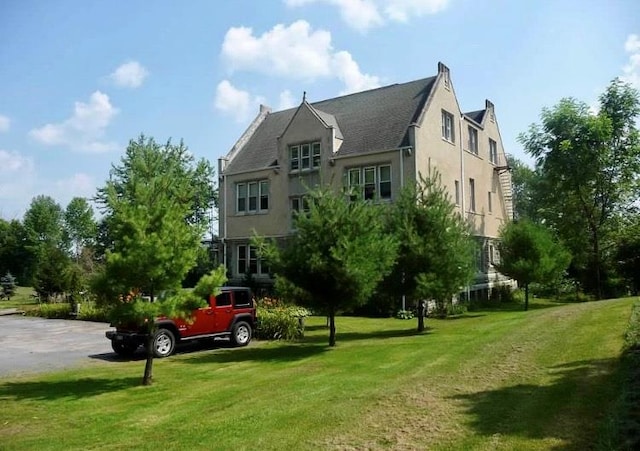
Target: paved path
32, 345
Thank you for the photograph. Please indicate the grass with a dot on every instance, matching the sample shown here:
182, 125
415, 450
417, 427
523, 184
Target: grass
543, 379
21, 299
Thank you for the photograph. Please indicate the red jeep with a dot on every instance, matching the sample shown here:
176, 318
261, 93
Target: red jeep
230, 314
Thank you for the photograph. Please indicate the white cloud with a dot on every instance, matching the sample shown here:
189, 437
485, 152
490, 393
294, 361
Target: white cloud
286, 100
17, 183
631, 71
295, 52
129, 75
365, 14
236, 102
84, 130
13, 162
5, 123
404, 10
78, 185
349, 73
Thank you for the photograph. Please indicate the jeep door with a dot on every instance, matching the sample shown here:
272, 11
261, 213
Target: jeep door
203, 321
223, 311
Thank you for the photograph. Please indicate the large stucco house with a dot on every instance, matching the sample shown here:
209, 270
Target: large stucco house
379, 140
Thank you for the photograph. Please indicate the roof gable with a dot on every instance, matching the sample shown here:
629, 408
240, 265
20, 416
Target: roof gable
368, 121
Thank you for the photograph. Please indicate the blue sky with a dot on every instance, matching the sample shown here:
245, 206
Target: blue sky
80, 78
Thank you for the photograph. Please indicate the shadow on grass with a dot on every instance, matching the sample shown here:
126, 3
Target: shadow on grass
351, 336
278, 353
72, 389
570, 409
518, 307
182, 348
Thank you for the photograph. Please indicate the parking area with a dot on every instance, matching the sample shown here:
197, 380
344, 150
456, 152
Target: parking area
32, 345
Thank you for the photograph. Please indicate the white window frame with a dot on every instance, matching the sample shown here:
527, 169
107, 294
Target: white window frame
473, 139
382, 181
493, 151
368, 182
305, 156
294, 158
448, 127
472, 195
259, 198
250, 260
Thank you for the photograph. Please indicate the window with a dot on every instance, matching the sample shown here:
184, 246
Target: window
384, 178
457, 183
264, 195
491, 254
473, 140
248, 261
299, 204
242, 298
315, 155
303, 157
253, 196
472, 195
493, 151
223, 299
448, 127
249, 193
294, 158
489, 202
369, 183
372, 182
241, 199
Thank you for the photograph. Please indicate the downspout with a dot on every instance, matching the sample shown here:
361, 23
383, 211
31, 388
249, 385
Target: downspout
221, 167
463, 203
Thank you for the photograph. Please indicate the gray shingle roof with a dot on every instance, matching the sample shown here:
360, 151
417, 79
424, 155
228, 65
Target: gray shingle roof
476, 116
370, 121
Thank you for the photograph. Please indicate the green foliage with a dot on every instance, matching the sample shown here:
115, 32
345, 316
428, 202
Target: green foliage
404, 314
632, 334
281, 323
79, 225
436, 252
7, 286
52, 275
153, 218
337, 255
588, 167
209, 284
15, 257
56, 310
529, 254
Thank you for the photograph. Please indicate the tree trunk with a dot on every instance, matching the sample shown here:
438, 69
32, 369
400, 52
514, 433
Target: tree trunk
421, 309
332, 328
596, 258
148, 367
526, 297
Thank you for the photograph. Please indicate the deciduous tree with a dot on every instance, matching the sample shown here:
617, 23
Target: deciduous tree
589, 164
528, 253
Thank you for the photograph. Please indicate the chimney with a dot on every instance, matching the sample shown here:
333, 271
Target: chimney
444, 72
488, 105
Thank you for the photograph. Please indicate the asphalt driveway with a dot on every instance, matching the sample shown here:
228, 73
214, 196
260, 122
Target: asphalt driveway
32, 345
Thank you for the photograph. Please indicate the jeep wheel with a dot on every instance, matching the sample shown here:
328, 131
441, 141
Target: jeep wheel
241, 334
123, 349
164, 343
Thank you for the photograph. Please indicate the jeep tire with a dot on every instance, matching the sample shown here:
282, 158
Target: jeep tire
164, 343
123, 349
241, 334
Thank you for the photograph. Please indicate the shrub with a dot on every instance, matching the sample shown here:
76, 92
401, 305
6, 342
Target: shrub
277, 321
89, 311
404, 314
7, 286
60, 310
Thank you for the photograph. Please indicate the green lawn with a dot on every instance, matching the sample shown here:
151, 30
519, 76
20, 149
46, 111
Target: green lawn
543, 379
21, 299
